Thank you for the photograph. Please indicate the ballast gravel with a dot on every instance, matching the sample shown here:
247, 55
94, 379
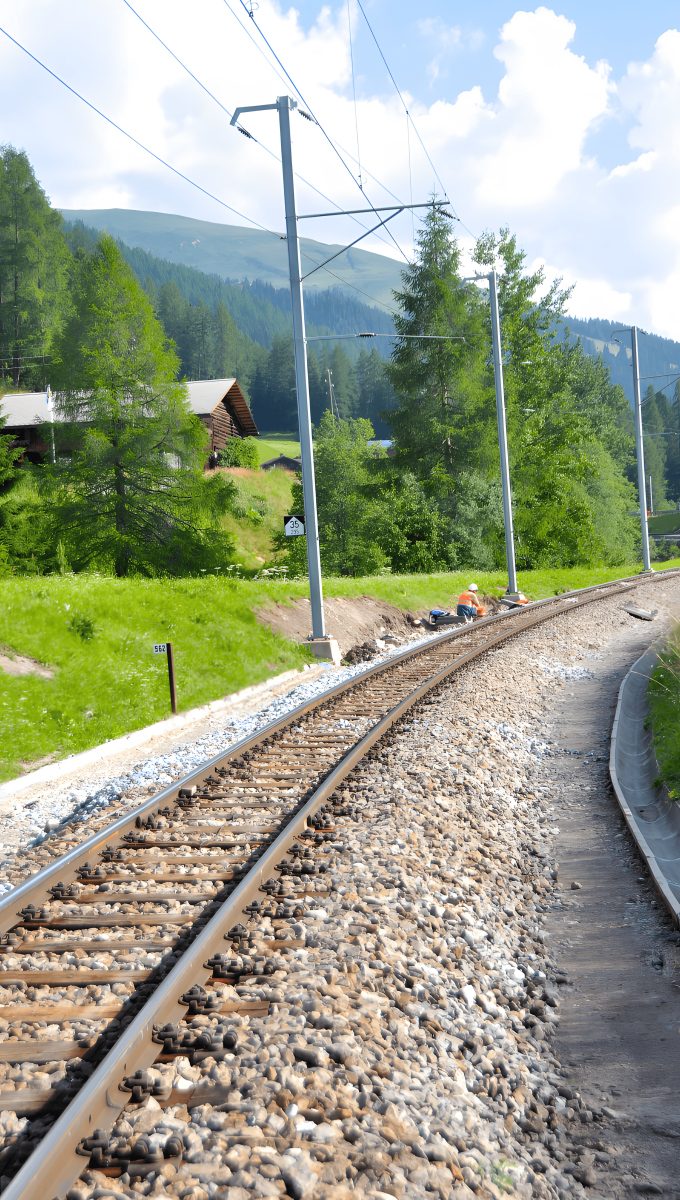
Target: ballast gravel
407, 1047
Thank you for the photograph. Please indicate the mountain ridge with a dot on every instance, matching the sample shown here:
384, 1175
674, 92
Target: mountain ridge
236, 253
249, 272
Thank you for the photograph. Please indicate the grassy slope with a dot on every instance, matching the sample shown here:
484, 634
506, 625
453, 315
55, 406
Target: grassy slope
667, 523
664, 703
267, 492
271, 444
219, 646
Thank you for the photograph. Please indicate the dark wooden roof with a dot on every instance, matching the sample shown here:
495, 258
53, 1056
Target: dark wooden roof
283, 460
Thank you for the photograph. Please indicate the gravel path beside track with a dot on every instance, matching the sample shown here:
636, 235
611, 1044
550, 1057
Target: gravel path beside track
405, 1043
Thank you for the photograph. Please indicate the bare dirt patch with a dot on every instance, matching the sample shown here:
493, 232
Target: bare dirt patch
352, 621
19, 664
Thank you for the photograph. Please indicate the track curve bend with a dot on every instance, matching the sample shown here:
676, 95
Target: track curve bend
176, 924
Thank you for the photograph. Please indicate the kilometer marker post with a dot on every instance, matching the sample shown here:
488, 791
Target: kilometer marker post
166, 648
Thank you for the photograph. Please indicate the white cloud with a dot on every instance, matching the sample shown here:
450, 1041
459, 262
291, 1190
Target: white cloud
520, 157
450, 39
645, 162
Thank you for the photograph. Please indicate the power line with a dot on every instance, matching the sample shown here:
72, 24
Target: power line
330, 141
134, 139
409, 117
354, 92
186, 178
177, 60
184, 67
272, 153
370, 29
285, 83
179, 173
336, 145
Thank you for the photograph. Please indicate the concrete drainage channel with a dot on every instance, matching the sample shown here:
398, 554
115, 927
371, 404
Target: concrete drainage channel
188, 1007
652, 817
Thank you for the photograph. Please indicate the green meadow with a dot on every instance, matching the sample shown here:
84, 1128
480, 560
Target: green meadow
96, 634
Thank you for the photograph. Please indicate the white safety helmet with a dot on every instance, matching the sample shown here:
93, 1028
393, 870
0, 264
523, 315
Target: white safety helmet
473, 587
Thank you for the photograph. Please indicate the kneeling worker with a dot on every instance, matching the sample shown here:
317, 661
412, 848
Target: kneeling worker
468, 604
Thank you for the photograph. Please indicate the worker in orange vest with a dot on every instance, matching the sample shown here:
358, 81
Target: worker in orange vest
468, 604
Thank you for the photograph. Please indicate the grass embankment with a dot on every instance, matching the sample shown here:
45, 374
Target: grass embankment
264, 500
269, 445
665, 523
664, 708
110, 683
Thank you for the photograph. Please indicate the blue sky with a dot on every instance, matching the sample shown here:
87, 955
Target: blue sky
561, 122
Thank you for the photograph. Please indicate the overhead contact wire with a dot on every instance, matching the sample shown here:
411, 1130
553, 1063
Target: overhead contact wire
175, 171
272, 153
396, 86
212, 96
135, 140
285, 82
354, 93
327, 136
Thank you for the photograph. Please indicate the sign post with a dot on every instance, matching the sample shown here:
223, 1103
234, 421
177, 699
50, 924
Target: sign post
166, 648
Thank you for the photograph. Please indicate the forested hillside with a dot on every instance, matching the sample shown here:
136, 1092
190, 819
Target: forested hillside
192, 304
222, 328
238, 252
114, 333
258, 308
659, 356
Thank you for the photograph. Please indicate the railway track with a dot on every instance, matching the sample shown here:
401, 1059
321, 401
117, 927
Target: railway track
149, 929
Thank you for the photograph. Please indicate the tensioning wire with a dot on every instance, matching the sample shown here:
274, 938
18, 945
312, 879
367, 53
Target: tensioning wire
175, 171
410, 118
330, 141
189, 72
288, 81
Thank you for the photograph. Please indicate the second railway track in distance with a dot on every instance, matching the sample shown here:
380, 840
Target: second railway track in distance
161, 907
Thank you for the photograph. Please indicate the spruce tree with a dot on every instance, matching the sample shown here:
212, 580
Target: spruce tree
202, 347
434, 380
655, 443
376, 394
33, 262
318, 387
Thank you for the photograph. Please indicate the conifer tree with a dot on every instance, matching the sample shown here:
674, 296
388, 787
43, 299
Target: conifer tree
376, 394
656, 447
33, 262
127, 483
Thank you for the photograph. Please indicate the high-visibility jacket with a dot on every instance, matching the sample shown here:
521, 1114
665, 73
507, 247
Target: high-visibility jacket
469, 598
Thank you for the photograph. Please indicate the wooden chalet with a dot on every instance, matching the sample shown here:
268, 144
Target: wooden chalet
221, 407
218, 403
25, 413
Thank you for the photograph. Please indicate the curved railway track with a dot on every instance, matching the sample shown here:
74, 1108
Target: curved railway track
255, 832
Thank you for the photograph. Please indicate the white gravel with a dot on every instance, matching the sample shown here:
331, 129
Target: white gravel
407, 1047
25, 827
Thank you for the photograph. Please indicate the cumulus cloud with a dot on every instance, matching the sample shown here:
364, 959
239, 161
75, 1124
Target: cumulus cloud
449, 39
519, 157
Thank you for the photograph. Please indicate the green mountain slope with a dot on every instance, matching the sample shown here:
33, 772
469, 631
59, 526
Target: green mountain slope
659, 357
236, 253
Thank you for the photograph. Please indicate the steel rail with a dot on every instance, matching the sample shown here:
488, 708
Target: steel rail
36, 889
54, 1166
